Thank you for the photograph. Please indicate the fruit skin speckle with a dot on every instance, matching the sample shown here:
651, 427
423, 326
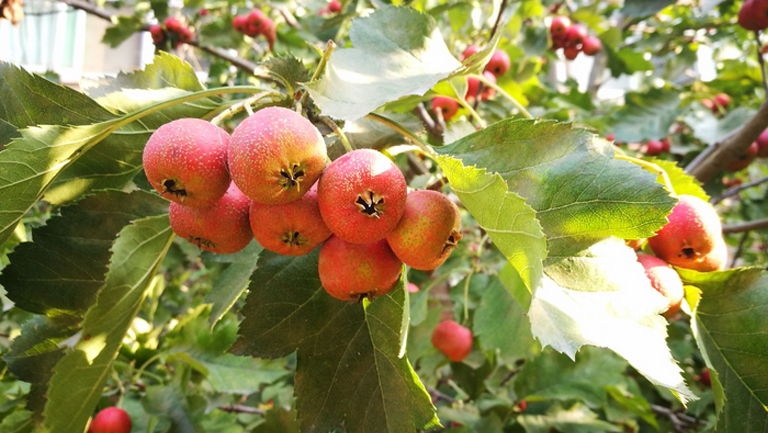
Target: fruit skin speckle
276, 155
186, 161
222, 228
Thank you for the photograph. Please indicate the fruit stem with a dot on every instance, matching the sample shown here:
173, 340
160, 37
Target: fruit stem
650, 167
329, 47
503, 93
376, 117
342, 137
761, 60
466, 296
472, 111
234, 109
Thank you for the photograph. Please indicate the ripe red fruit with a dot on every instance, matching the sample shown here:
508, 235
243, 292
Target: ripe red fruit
762, 144
239, 23
412, 288
362, 196
722, 99
454, 340
522, 405
665, 145
575, 35
472, 49
558, 42
276, 155
714, 261
222, 228
448, 106
173, 25
571, 53
428, 231
709, 104
290, 229
111, 420
691, 234
185, 35
334, 6
610, 137
744, 159
270, 32
592, 46
559, 26
499, 63
158, 36
473, 85
665, 280
186, 161
203, 12
706, 380
256, 19
654, 148
351, 271
753, 15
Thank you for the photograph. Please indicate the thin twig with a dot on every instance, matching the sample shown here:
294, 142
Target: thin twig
241, 106
761, 60
429, 124
504, 93
437, 395
739, 249
498, 18
342, 137
238, 408
329, 47
737, 189
746, 226
682, 423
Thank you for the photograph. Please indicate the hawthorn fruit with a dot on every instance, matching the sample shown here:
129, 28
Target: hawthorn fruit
334, 6
157, 33
692, 232
448, 106
111, 420
186, 161
173, 25
753, 15
722, 100
575, 36
454, 340
350, 272
714, 261
362, 196
571, 53
428, 231
276, 155
592, 46
472, 49
762, 144
240, 23
499, 63
705, 378
654, 148
474, 92
290, 229
664, 280
559, 26
745, 159
222, 228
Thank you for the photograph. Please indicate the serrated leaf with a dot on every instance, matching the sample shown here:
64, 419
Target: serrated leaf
240, 375
289, 71
581, 195
36, 351
602, 298
77, 383
646, 116
644, 8
30, 100
348, 367
125, 27
18, 422
504, 215
709, 129
232, 282
396, 52
500, 323
682, 182
62, 270
575, 419
731, 328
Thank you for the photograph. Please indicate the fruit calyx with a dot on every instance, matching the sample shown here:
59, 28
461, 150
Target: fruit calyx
294, 239
201, 242
292, 177
370, 204
173, 187
452, 241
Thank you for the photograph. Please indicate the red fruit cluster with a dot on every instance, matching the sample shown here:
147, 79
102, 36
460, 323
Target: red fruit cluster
498, 65
572, 38
657, 147
753, 15
334, 7
718, 104
111, 420
172, 30
255, 24
454, 340
692, 239
262, 182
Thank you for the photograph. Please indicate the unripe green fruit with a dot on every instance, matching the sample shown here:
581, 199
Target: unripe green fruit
692, 232
276, 155
111, 420
362, 196
454, 340
290, 229
428, 231
665, 280
186, 161
350, 272
222, 228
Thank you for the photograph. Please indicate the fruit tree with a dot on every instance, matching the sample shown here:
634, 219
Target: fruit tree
374, 216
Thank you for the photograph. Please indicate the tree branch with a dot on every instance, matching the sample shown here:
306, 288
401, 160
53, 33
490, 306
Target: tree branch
498, 18
737, 189
237, 408
731, 148
746, 226
433, 128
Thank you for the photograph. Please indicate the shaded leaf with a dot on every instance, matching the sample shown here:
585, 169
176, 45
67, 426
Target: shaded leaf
709, 129
232, 282
289, 71
36, 351
124, 27
644, 8
575, 419
646, 116
500, 323
238, 374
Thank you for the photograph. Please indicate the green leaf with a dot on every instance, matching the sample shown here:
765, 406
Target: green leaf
30, 100
396, 52
552, 375
634, 403
709, 129
278, 420
601, 297
730, 325
289, 71
504, 215
682, 182
18, 422
169, 402
240, 375
36, 351
575, 419
644, 8
80, 376
125, 27
500, 323
62, 270
232, 282
348, 365
646, 116
581, 195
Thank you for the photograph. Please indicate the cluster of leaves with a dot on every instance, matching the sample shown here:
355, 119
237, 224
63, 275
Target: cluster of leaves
104, 306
